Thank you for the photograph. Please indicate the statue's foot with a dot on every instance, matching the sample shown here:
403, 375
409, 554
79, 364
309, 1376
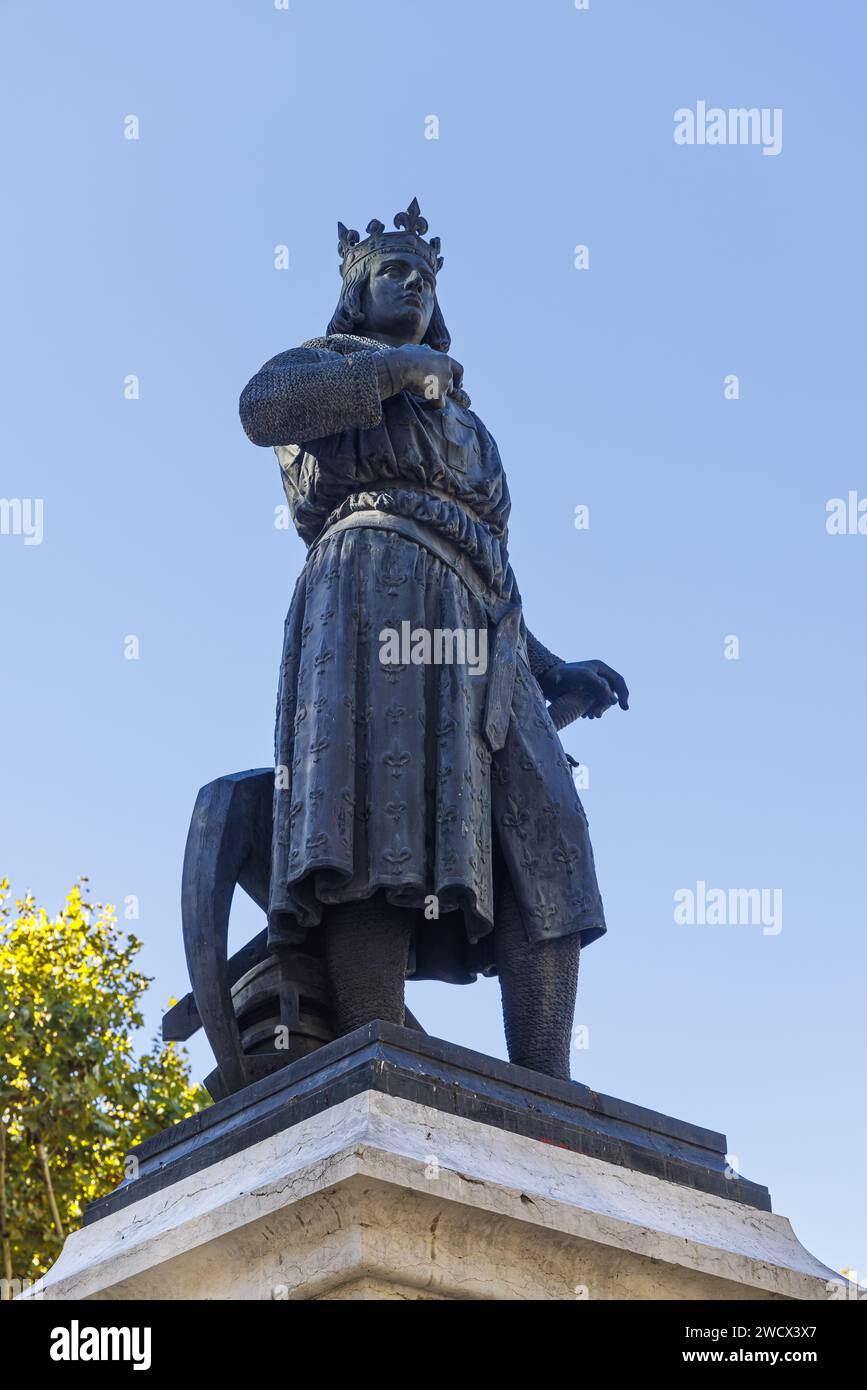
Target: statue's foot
548, 1062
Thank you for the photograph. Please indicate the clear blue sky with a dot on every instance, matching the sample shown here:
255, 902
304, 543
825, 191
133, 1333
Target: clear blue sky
603, 387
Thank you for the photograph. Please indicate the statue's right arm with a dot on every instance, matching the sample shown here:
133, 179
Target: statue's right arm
309, 393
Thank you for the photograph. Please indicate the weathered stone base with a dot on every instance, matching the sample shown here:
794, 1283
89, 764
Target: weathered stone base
383, 1197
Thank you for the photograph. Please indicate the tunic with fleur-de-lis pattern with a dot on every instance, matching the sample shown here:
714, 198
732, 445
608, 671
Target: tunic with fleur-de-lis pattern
385, 779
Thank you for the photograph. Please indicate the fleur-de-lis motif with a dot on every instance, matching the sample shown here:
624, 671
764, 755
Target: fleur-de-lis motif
500, 771
395, 809
412, 220
543, 913
347, 237
529, 861
516, 818
397, 855
392, 580
396, 759
395, 712
529, 765
565, 854
319, 747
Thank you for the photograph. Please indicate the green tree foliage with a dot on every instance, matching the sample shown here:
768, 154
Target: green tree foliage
74, 1095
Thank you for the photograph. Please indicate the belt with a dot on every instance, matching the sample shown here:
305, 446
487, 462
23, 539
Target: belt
426, 490
504, 617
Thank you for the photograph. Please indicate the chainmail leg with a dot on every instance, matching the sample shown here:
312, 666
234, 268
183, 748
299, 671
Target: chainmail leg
538, 984
366, 951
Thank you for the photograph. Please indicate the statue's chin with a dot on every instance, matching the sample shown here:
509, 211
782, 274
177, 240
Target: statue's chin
406, 327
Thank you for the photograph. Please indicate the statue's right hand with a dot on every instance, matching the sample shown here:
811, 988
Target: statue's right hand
426, 372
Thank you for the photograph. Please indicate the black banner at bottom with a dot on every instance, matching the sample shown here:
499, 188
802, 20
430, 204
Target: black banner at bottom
200, 1337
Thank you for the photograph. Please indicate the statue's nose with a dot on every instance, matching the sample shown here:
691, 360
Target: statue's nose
414, 281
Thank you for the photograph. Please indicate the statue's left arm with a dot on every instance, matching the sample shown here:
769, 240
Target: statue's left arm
591, 686
597, 685
541, 659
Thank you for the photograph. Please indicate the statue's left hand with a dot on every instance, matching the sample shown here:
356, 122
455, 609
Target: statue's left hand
598, 683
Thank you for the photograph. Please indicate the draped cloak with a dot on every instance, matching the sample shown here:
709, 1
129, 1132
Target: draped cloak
385, 778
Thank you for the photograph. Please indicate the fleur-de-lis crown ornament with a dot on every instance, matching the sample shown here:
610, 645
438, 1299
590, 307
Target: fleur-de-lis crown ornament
409, 237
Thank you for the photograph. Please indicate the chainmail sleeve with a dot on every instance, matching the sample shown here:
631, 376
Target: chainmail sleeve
308, 393
541, 660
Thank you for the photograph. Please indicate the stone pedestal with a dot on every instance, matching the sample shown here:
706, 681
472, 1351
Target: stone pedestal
390, 1165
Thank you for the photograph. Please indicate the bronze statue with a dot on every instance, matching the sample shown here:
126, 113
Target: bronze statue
425, 819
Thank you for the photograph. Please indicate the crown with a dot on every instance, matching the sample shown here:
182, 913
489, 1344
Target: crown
409, 237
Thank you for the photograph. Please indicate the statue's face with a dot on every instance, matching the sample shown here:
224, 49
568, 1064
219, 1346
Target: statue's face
400, 297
